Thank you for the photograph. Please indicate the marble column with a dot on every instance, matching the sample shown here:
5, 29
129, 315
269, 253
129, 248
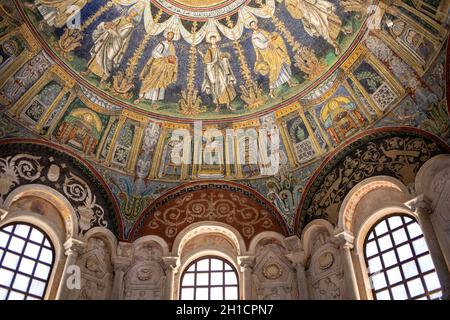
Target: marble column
246, 263
351, 285
298, 260
121, 265
171, 266
73, 248
422, 207
3, 214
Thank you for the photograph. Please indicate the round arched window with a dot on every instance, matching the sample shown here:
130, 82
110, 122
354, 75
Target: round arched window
26, 262
399, 262
209, 278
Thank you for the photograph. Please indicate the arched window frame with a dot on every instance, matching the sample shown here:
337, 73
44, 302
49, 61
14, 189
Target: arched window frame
185, 256
209, 286
57, 236
368, 202
22, 255
376, 220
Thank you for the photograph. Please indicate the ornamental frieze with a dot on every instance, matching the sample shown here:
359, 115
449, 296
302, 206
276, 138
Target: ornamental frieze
230, 204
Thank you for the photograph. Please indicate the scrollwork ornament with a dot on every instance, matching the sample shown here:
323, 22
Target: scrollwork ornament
28, 168
89, 212
75, 188
40, 165
21, 166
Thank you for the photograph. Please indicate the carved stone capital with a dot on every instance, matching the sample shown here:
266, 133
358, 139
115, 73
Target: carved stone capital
293, 243
297, 258
171, 263
74, 247
124, 249
420, 205
344, 240
246, 262
121, 263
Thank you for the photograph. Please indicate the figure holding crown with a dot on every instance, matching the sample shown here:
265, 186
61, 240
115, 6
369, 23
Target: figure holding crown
272, 57
160, 71
219, 80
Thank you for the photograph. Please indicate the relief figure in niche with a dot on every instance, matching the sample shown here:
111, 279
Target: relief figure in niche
96, 271
274, 294
8, 51
407, 36
90, 290
150, 139
172, 158
212, 149
327, 289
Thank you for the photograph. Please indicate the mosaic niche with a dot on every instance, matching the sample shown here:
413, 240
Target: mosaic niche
399, 154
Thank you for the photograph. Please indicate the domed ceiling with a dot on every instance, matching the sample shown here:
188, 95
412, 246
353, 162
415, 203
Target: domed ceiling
272, 52
354, 88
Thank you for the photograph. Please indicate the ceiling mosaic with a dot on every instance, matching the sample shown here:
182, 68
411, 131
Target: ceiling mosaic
227, 203
198, 59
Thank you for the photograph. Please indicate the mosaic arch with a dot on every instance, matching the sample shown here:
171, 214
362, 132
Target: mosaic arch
395, 152
199, 59
380, 83
226, 202
24, 162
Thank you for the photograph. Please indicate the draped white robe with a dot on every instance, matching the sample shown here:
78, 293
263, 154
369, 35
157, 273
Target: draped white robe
110, 46
219, 78
316, 14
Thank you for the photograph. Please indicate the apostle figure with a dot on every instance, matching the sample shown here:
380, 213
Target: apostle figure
111, 40
219, 79
160, 71
58, 13
319, 19
272, 58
